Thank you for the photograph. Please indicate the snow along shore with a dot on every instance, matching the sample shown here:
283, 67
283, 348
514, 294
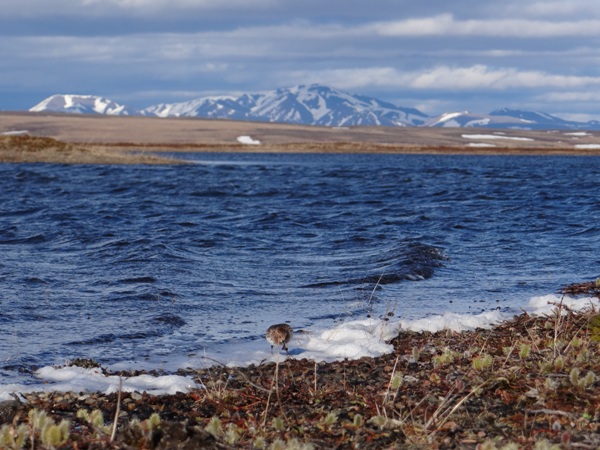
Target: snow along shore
353, 340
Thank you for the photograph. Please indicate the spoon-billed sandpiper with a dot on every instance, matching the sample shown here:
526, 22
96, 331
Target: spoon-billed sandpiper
279, 334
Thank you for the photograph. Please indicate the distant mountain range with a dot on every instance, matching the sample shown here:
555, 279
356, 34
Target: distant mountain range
313, 105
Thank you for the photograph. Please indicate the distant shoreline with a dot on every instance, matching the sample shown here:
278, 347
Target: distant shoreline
88, 139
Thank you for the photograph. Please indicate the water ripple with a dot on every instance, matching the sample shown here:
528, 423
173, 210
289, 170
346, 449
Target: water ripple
121, 263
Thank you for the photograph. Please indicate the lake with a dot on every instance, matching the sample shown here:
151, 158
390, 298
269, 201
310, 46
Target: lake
153, 266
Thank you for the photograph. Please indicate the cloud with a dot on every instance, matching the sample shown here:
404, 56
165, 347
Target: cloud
447, 25
570, 96
483, 77
154, 49
115, 8
156, 5
176, 3
467, 53
471, 78
581, 8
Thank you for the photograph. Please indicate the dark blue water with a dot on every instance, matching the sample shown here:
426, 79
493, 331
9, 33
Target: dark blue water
148, 263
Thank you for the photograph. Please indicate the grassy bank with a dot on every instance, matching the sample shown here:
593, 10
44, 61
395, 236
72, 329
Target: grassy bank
28, 149
532, 382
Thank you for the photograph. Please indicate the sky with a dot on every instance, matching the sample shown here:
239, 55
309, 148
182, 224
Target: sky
435, 55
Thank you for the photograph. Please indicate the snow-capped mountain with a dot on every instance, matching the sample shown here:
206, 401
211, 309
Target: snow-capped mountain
540, 120
307, 105
82, 104
208, 107
508, 118
321, 105
313, 105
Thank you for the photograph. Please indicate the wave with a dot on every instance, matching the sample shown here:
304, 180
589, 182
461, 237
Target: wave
408, 261
157, 326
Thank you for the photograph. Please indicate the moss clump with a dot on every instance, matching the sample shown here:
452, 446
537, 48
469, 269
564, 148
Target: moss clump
594, 326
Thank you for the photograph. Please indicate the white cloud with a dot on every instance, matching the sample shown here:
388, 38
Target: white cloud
474, 54
483, 77
562, 8
584, 96
447, 25
472, 78
141, 48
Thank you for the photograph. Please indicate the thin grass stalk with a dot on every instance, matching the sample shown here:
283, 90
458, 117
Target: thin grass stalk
117, 411
557, 325
387, 392
315, 377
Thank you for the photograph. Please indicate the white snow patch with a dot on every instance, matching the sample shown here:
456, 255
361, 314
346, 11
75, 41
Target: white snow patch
577, 133
451, 124
353, 340
545, 304
78, 379
69, 101
455, 322
587, 146
247, 140
480, 144
494, 136
448, 116
478, 122
14, 133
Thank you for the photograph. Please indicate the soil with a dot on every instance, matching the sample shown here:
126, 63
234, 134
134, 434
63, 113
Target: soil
531, 382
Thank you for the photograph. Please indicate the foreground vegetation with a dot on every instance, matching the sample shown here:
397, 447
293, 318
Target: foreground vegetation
532, 383
30, 149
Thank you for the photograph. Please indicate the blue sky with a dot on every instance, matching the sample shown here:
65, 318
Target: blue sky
437, 56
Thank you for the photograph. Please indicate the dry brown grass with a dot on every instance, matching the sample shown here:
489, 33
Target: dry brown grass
120, 135
27, 149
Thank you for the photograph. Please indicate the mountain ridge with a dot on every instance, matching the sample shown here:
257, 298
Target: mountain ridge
313, 105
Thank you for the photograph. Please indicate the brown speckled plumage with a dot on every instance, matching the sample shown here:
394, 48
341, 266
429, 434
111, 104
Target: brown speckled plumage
279, 334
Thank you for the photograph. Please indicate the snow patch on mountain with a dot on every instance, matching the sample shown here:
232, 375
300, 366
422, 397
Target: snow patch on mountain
446, 117
306, 105
82, 104
314, 105
207, 107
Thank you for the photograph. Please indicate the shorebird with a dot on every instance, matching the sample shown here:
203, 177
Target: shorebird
279, 334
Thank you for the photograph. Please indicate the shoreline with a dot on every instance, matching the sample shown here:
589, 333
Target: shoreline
89, 139
27, 149
525, 381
